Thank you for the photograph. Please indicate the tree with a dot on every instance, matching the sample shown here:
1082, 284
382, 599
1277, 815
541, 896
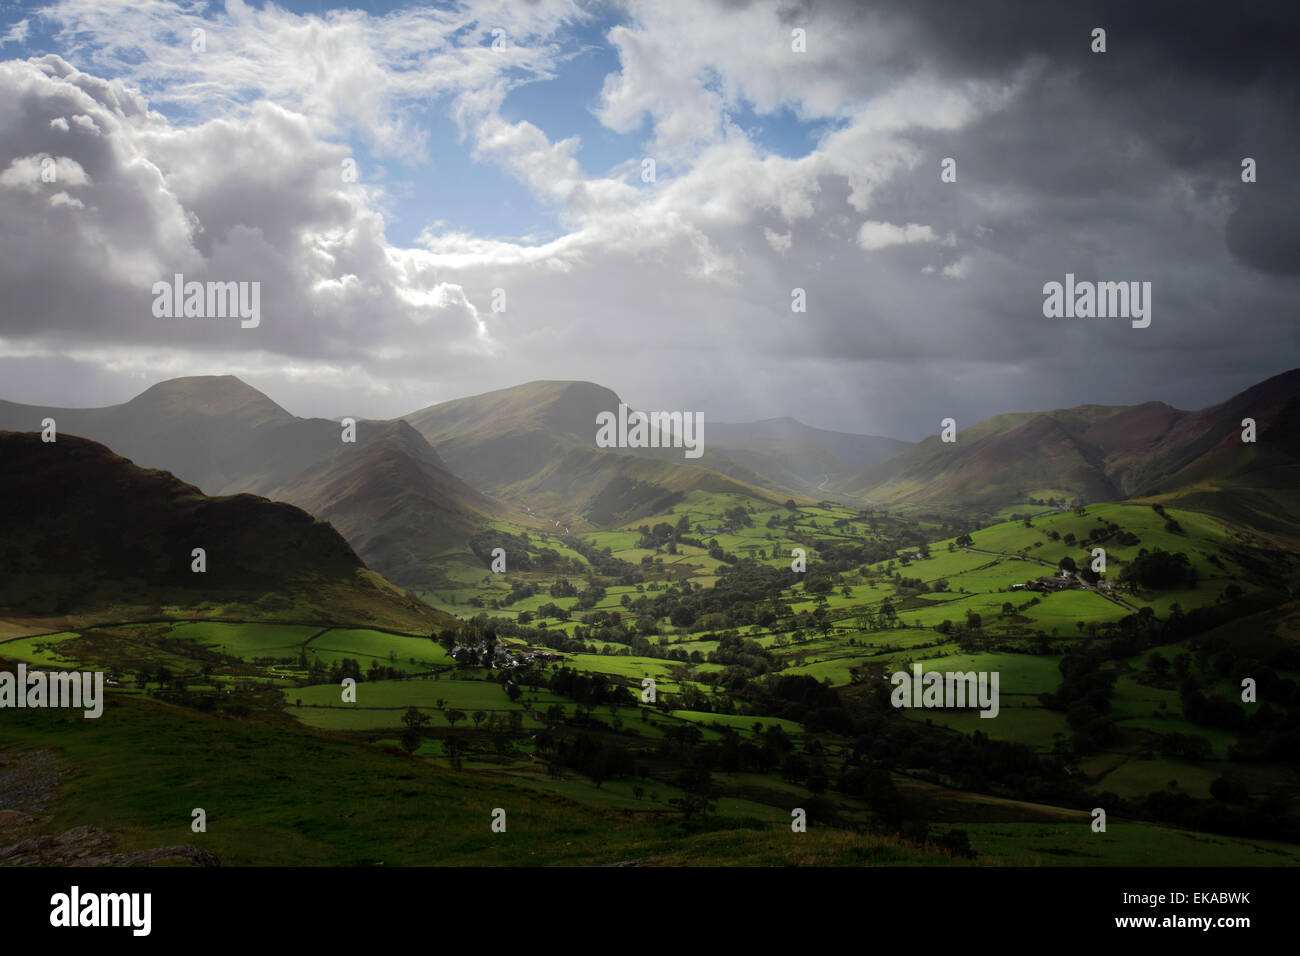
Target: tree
699, 794
479, 716
1160, 569
453, 715
453, 749
887, 613
414, 721
1229, 791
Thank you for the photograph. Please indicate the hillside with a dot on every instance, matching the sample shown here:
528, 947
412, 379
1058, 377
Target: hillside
395, 502
534, 445
88, 533
393, 499
1096, 452
213, 431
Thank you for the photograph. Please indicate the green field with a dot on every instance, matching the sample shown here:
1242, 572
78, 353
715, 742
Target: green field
842, 638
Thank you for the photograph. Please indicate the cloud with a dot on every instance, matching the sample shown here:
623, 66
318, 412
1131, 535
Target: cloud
134, 200
778, 241
880, 235
226, 164
959, 269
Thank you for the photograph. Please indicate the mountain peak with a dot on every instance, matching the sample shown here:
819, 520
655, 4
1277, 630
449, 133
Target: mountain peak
211, 395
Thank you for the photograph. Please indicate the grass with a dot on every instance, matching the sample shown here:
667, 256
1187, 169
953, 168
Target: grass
611, 818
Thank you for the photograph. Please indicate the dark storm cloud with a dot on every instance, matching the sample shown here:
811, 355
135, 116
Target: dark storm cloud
1226, 43
1265, 229
1200, 85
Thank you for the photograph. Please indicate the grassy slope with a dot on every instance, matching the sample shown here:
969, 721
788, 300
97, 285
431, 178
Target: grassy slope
276, 795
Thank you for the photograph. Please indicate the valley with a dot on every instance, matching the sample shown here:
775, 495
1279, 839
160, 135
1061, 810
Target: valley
671, 684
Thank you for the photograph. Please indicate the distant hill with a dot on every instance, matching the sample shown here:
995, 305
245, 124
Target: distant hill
394, 500
789, 453
226, 437
213, 431
85, 530
534, 445
1098, 452
411, 491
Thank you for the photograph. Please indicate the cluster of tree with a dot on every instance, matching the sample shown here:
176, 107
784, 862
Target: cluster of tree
519, 591
664, 535
475, 631
919, 585
737, 517
883, 735
550, 609
592, 690
1084, 696
596, 757
242, 700
603, 562
1213, 711
1108, 531
318, 673
521, 553
602, 619
799, 698
1171, 524
738, 597
1159, 569
742, 657
841, 556
590, 596
1229, 811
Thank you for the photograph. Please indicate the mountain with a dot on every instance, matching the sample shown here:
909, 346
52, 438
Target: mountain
789, 453
1201, 462
395, 502
86, 531
534, 445
214, 431
1098, 452
393, 499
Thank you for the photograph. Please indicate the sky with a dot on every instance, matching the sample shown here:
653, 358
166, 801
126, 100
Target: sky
502, 224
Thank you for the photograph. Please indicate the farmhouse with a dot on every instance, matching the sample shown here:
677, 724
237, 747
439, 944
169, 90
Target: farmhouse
1060, 582
502, 655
